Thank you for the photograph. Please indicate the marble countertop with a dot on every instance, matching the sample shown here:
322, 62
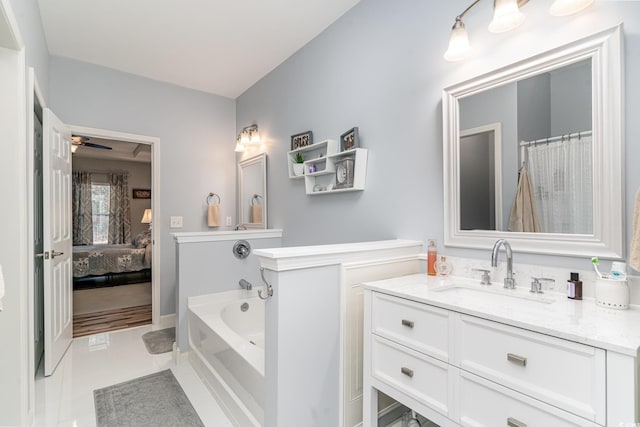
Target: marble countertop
580, 321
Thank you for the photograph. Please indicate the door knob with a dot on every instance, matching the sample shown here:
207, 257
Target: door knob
44, 255
55, 254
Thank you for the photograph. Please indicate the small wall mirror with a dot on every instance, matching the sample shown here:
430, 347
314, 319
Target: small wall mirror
533, 153
252, 192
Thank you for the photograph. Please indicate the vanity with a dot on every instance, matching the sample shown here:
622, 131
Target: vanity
461, 353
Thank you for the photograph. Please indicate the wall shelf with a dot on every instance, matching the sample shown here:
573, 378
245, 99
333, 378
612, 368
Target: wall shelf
324, 156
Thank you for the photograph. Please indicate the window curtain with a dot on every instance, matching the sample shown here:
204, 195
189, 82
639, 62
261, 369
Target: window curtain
119, 211
81, 210
563, 185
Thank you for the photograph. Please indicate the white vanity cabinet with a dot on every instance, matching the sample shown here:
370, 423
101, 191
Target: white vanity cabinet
458, 369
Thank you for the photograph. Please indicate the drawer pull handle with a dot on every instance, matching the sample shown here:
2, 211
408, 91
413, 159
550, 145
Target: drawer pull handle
519, 360
512, 422
408, 372
407, 323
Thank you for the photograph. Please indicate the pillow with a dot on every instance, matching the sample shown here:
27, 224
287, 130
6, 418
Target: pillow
142, 239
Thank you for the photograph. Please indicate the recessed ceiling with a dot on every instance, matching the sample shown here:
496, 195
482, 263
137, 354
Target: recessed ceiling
120, 150
216, 46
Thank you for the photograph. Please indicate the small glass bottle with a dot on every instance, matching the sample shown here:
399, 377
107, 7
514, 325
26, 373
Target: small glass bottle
443, 267
432, 257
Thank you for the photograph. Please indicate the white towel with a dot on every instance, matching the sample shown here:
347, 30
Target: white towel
1, 287
634, 256
213, 216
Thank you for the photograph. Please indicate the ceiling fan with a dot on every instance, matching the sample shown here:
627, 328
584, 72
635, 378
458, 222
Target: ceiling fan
78, 140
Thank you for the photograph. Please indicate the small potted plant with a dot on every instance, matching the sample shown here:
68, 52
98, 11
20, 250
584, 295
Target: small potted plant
298, 164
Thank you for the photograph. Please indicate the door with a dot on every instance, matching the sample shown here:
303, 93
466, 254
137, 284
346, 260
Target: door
58, 324
38, 243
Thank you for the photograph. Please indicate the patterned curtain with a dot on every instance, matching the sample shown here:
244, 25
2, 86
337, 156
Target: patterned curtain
81, 210
119, 212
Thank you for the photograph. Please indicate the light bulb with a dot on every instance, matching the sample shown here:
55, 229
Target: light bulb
255, 137
568, 7
506, 16
244, 138
458, 43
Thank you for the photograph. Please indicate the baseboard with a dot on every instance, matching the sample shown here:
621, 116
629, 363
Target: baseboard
167, 321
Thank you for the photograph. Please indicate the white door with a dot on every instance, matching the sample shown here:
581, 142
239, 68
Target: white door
58, 319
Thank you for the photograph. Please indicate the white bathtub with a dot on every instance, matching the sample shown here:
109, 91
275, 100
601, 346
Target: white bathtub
226, 339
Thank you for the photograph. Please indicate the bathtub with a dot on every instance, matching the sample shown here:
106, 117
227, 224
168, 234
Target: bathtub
226, 339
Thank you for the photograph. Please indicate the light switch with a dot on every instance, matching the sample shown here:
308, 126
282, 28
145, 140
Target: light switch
176, 222
229, 220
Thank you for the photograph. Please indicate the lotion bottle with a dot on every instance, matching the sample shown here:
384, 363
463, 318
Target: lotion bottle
432, 257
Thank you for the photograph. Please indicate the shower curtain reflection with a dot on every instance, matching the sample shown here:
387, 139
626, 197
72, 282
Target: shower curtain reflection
562, 182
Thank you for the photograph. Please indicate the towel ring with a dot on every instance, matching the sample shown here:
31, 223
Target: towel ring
210, 196
255, 200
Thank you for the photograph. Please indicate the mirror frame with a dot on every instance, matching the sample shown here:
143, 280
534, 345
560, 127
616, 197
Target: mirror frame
258, 159
608, 238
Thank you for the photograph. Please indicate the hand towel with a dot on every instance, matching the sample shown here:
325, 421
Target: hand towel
256, 214
524, 216
1, 287
634, 256
213, 216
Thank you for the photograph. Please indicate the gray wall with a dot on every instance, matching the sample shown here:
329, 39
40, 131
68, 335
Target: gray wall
534, 114
499, 105
571, 100
139, 177
196, 132
27, 14
380, 67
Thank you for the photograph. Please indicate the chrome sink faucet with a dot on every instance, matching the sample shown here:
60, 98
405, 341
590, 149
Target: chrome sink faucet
509, 282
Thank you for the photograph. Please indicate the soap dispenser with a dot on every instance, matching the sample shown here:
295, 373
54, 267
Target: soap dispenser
432, 257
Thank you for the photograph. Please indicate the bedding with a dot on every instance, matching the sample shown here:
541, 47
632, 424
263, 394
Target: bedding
97, 260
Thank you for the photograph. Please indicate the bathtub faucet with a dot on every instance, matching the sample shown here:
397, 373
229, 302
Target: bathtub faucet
246, 285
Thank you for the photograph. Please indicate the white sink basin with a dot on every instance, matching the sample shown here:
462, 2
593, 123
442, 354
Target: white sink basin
470, 291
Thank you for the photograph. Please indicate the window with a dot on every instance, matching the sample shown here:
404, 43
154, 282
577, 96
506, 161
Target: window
100, 194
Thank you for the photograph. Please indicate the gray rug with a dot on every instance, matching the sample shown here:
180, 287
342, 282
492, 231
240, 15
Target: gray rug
161, 341
153, 400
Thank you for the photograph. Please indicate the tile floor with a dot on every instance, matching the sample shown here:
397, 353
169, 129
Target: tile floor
96, 361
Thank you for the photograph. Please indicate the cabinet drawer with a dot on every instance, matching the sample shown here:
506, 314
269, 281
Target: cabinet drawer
565, 374
484, 403
419, 326
420, 377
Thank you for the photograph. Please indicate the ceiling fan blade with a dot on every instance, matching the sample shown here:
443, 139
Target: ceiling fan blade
79, 139
92, 145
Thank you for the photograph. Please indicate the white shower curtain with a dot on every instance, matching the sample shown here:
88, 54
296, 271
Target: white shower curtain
562, 181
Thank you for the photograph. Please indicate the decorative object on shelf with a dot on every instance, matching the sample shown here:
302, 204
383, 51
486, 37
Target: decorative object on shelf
140, 193
298, 164
344, 173
301, 140
248, 135
349, 140
213, 210
312, 168
506, 17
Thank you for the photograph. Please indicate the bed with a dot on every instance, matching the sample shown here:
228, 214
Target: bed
110, 261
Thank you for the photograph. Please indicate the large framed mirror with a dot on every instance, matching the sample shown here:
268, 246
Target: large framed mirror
533, 153
252, 191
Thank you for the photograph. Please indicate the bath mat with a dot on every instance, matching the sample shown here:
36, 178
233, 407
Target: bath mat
161, 341
153, 400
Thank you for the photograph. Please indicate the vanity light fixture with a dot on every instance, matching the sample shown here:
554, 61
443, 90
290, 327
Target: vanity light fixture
506, 17
248, 135
568, 7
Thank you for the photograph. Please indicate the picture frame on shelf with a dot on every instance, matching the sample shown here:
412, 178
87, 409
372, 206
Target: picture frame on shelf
300, 140
349, 140
141, 193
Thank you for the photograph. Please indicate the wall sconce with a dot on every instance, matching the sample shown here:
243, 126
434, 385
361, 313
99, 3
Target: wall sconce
248, 135
506, 17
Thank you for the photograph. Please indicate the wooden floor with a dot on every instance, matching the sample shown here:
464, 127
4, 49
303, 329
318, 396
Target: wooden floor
111, 320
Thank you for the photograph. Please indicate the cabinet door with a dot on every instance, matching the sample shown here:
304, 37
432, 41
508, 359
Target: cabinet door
485, 403
559, 372
422, 378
